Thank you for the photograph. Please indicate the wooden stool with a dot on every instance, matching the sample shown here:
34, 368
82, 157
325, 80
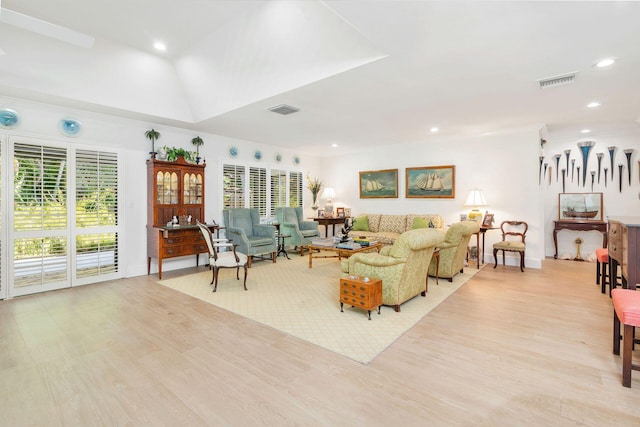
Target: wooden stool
602, 261
626, 310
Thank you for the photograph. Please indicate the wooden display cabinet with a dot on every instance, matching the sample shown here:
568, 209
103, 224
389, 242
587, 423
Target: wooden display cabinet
174, 189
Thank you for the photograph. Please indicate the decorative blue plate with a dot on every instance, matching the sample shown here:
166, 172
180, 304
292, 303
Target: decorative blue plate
257, 155
233, 151
8, 118
296, 160
278, 157
69, 127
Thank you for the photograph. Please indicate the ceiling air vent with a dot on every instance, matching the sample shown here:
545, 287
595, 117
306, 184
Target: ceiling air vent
564, 79
284, 109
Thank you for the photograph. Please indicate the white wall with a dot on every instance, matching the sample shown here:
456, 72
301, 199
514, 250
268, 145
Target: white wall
504, 166
41, 121
616, 202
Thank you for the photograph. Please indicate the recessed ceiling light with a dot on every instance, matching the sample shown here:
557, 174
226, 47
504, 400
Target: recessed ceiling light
160, 46
585, 131
433, 130
593, 104
605, 62
334, 145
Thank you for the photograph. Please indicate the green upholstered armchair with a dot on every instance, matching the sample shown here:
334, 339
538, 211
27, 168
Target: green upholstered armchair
244, 228
292, 222
402, 266
453, 250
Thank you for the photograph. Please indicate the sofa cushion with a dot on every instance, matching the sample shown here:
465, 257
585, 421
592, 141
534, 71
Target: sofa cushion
374, 222
361, 223
435, 219
393, 223
421, 223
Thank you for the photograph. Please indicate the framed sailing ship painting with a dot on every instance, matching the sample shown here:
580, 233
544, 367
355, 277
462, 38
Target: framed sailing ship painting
379, 184
431, 182
580, 207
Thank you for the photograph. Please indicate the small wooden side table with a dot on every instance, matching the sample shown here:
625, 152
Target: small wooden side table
366, 295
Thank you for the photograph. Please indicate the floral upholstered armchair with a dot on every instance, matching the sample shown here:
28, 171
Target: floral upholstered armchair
292, 223
454, 249
244, 228
402, 266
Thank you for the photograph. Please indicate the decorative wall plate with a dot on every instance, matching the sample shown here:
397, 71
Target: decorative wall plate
8, 118
233, 151
69, 127
296, 160
257, 155
277, 157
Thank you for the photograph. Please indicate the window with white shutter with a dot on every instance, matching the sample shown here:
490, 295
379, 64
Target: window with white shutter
278, 190
233, 186
258, 189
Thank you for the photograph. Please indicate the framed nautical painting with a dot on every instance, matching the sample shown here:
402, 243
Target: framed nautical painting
431, 182
580, 207
379, 184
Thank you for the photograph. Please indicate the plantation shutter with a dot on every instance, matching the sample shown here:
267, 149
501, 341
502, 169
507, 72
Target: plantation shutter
295, 189
40, 215
278, 190
258, 189
96, 213
233, 186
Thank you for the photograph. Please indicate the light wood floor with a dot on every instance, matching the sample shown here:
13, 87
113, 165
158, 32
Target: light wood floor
509, 348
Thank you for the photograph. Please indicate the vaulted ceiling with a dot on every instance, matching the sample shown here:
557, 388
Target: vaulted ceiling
361, 72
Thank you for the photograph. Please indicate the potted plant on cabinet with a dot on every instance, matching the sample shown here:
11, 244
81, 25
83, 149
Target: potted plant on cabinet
197, 141
153, 135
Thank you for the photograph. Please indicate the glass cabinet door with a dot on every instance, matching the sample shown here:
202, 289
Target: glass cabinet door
167, 188
192, 187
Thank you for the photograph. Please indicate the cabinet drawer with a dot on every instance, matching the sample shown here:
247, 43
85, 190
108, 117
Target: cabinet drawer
173, 241
198, 248
355, 302
172, 251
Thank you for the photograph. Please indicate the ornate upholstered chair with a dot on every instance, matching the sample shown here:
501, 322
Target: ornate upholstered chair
228, 259
292, 222
244, 228
402, 266
454, 249
513, 235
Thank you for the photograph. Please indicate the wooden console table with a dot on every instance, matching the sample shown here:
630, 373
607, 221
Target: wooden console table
624, 251
326, 221
600, 226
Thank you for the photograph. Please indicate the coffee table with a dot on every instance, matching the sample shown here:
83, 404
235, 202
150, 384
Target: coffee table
339, 251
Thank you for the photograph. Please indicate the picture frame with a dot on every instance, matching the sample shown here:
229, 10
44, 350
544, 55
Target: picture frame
321, 213
431, 182
580, 207
340, 212
487, 221
347, 212
379, 184
464, 217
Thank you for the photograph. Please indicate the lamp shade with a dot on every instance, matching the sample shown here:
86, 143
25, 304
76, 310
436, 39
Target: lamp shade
475, 198
328, 193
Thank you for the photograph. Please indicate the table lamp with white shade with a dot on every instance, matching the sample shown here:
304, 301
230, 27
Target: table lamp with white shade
328, 193
475, 199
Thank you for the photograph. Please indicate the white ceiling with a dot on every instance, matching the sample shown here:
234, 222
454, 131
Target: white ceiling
362, 72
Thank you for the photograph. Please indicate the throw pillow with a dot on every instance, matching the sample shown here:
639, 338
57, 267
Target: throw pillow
361, 223
420, 223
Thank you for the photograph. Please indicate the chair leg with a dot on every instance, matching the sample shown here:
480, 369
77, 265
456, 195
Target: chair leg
215, 280
249, 258
627, 350
273, 257
616, 333
495, 258
522, 261
598, 275
245, 277
504, 258
213, 274
603, 278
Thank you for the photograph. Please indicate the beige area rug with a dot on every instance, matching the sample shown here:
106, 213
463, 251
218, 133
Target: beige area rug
303, 302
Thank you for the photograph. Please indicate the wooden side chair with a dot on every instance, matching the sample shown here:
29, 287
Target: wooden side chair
626, 310
227, 259
513, 236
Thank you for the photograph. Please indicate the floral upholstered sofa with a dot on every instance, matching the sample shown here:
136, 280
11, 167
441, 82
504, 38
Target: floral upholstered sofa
386, 228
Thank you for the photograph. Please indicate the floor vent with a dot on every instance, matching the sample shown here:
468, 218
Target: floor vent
562, 80
284, 109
